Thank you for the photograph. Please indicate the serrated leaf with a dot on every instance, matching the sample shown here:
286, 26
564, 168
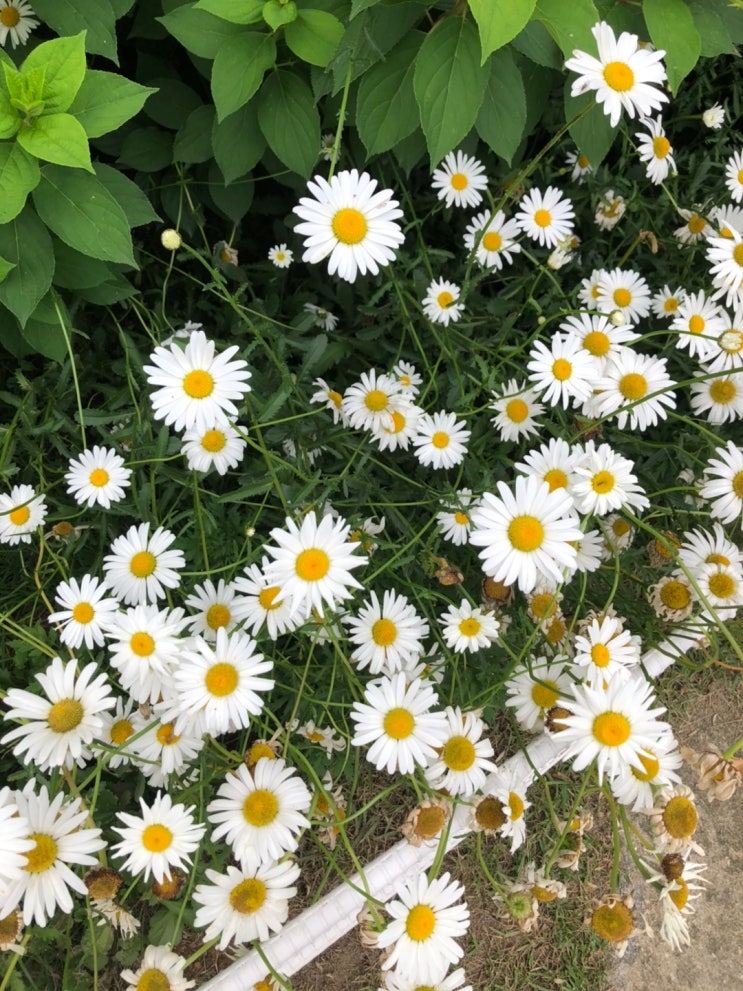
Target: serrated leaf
79, 209
95, 17
671, 27
285, 97
19, 175
386, 111
593, 133
106, 100
63, 63
128, 195
238, 70
198, 31
235, 11
277, 14
499, 21
569, 23
449, 84
314, 36
26, 244
501, 120
238, 142
57, 138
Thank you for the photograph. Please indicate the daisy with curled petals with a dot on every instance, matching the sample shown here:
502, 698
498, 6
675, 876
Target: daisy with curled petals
141, 566
145, 645
562, 372
719, 398
459, 180
553, 463
17, 21
679, 888
163, 837
426, 920
516, 407
196, 387
87, 613
526, 534
245, 905
605, 482
440, 302
347, 221
609, 210
441, 440
454, 522
97, 477
723, 483
694, 229
726, 254
674, 819
280, 255
655, 151
387, 635
597, 334
625, 76
396, 719
333, 400
54, 827
468, 628
217, 607
734, 176
615, 727
260, 814
21, 512
635, 388
534, 688
312, 563
605, 650
60, 725
464, 759
636, 788
220, 447
699, 322
160, 970
263, 604
626, 291
493, 238
545, 217
369, 402
15, 839
509, 787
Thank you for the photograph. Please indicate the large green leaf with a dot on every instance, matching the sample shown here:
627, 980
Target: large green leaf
148, 149
5, 267
569, 23
106, 100
593, 133
238, 142
25, 243
369, 37
235, 11
386, 111
128, 195
73, 270
713, 31
95, 17
234, 200
193, 142
19, 175
449, 84
277, 13
671, 27
314, 36
199, 32
63, 63
80, 210
238, 70
501, 119
57, 138
172, 102
283, 98
499, 21
43, 331
10, 119
537, 44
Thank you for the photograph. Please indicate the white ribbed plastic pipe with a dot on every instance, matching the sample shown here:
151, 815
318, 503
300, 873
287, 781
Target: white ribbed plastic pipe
308, 935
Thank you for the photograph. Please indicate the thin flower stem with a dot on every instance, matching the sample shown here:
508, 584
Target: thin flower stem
732, 751
341, 121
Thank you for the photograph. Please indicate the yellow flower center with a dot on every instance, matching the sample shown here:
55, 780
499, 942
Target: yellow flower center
722, 585
696, 224
582, 162
556, 631
515, 805
9, 17
267, 597
384, 632
20, 516
10, 928
619, 77
633, 386
398, 723
544, 695
156, 837
260, 807
671, 304
526, 533
600, 655
458, 753
726, 232
620, 527
562, 369
221, 679
198, 384
99, 477
517, 410
154, 980
597, 343
257, 751
651, 767
142, 564
680, 817
602, 482
738, 254
542, 218
335, 398
543, 605
217, 616
543, 895
444, 299
375, 400
83, 612
430, 821
459, 181
121, 731
213, 441
166, 735
440, 439
613, 922
679, 896
675, 595
461, 518
697, 324
740, 177
349, 225
43, 855
622, 297
611, 729
420, 923
492, 241
65, 715
738, 484
142, 644
661, 146
470, 626
312, 565
248, 896
556, 479
489, 813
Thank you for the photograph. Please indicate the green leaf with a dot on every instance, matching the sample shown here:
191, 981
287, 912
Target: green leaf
63, 63
713, 32
671, 27
238, 142
147, 149
501, 120
201, 33
73, 270
234, 200
569, 23
537, 44
19, 175
57, 138
235, 11
593, 134
80, 210
369, 37
106, 100
10, 119
43, 332
358, 5
238, 70
285, 97
449, 84
386, 111
172, 102
314, 36
26, 244
193, 142
95, 17
5, 268
113, 289
498, 21
25, 88
127, 194
277, 14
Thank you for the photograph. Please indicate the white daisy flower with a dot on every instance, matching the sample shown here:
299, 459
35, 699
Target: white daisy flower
526, 533
464, 759
624, 290
719, 398
636, 788
625, 76
727, 350
370, 402
97, 477
694, 229
386, 636
553, 463
665, 303
726, 219
196, 387
517, 407
333, 400
397, 721
426, 920
409, 378
245, 905
468, 628
394, 981
590, 288
405, 417
674, 819
509, 787
727, 271
160, 970
221, 447
145, 645
263, 604
580, 166
714, 116
722, 586
163, 837
17, 21
534, 688
217, 607
636, 388
441, 440
699, 321
546, 217
459, 180
160, 751
495, 238
440, 302
605, 482
700, 547
15, 839
562, 372
118, 727
139, 565
734, 176
604, 650
87, 612
325, 736
597, 334
655, 150
21, 512
280, 255
347, 221
454, 522
323, 318
610, 209
260, 814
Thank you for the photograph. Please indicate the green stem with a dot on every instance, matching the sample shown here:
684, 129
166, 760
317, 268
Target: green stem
341, 120
732, 751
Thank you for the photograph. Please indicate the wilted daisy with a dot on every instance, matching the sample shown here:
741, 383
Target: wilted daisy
624, 290
655, 150
610, 209
468, 628
141, 566
635, 388
260, 814
322, 316
387, 635
440, 302
21, 512
611, 919
605, 481
604, 650
726, 352
426, 920
17, 21
679, 887
396, 719
464, 759
196, 386
562, 372
674, 820
517, 407
87, 613
98, 476
280, 255
672, 597
699, 322
160, 970
349, 222
220, 447
441, 440
145, 644
694, 229
625, 76
369, 403
245, 905
719, 398
534, 688
545, 217
216, 607
454, 522
263, 604
459, 180
163, 837
495, 238
723, 483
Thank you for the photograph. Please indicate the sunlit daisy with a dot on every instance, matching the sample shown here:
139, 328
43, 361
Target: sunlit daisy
468, 628
160, 970
15, 839
552, 463
220, 447
700, 547
545, 217
87, 611
441, 440
699, 322
635, 388
695, 229
726, 254
216, 607
509, 786
459, 180
723, 483
386, 635
605, 481
349, 222
464, 759
722, 586
516, 407
454, 522
440, 302
145, 645
163, 837
719, 398
610, 209
280, 255
635, 788
98, 476
21, 512
626, 291
597, 335
655, 150
140, 565
263, 604
734, 176
369, 403
604, 650
563, 372
17, 21
495, 238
